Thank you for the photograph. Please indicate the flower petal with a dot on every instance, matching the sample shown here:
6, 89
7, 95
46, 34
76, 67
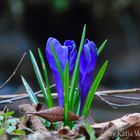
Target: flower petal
59, 88
72, 54
64, 53
61, 51
87, 65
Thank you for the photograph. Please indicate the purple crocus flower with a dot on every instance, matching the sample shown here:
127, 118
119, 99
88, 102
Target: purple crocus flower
66, 52
87, 65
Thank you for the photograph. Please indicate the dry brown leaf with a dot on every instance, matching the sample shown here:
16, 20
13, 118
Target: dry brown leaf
29, 120
54, 114
127, 127
65, 132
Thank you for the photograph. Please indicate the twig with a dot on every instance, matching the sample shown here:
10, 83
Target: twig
123, 97
10, 101
23, 96
2, 86
112, 93
103, 93
26, 95
124, 91
10, 98
117, 105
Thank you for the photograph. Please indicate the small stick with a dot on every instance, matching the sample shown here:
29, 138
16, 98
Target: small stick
26, 95
2, 86
124, 91
23, 96
117, 105
54, 95
101, 93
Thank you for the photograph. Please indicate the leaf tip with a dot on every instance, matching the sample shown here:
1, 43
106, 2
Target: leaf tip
106, 62
84, 28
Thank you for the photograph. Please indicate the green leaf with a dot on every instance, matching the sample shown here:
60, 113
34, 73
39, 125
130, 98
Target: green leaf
2, 131
90, 131
57, 64
45, 76
19, 132
40, 80
76, 69
7, 114
66, 94
30, 92
102, 47
93, 89
77, 102
75, 91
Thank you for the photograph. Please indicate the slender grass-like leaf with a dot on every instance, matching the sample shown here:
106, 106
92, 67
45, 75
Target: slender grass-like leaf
75, 91
93, 89
30, 92
57, 64
66, 94
45, 76
102, 47
7, 114
77, 103
32, 97
90, 131
76, 100
76, 69
40, 80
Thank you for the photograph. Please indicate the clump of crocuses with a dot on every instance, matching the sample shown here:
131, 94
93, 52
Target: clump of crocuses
68, 52
73, 75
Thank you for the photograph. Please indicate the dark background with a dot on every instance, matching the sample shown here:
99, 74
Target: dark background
27, 25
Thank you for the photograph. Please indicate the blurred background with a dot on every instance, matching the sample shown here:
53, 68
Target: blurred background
27, 25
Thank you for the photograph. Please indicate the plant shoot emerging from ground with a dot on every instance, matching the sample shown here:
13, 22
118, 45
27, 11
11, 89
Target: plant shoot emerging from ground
73, 75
